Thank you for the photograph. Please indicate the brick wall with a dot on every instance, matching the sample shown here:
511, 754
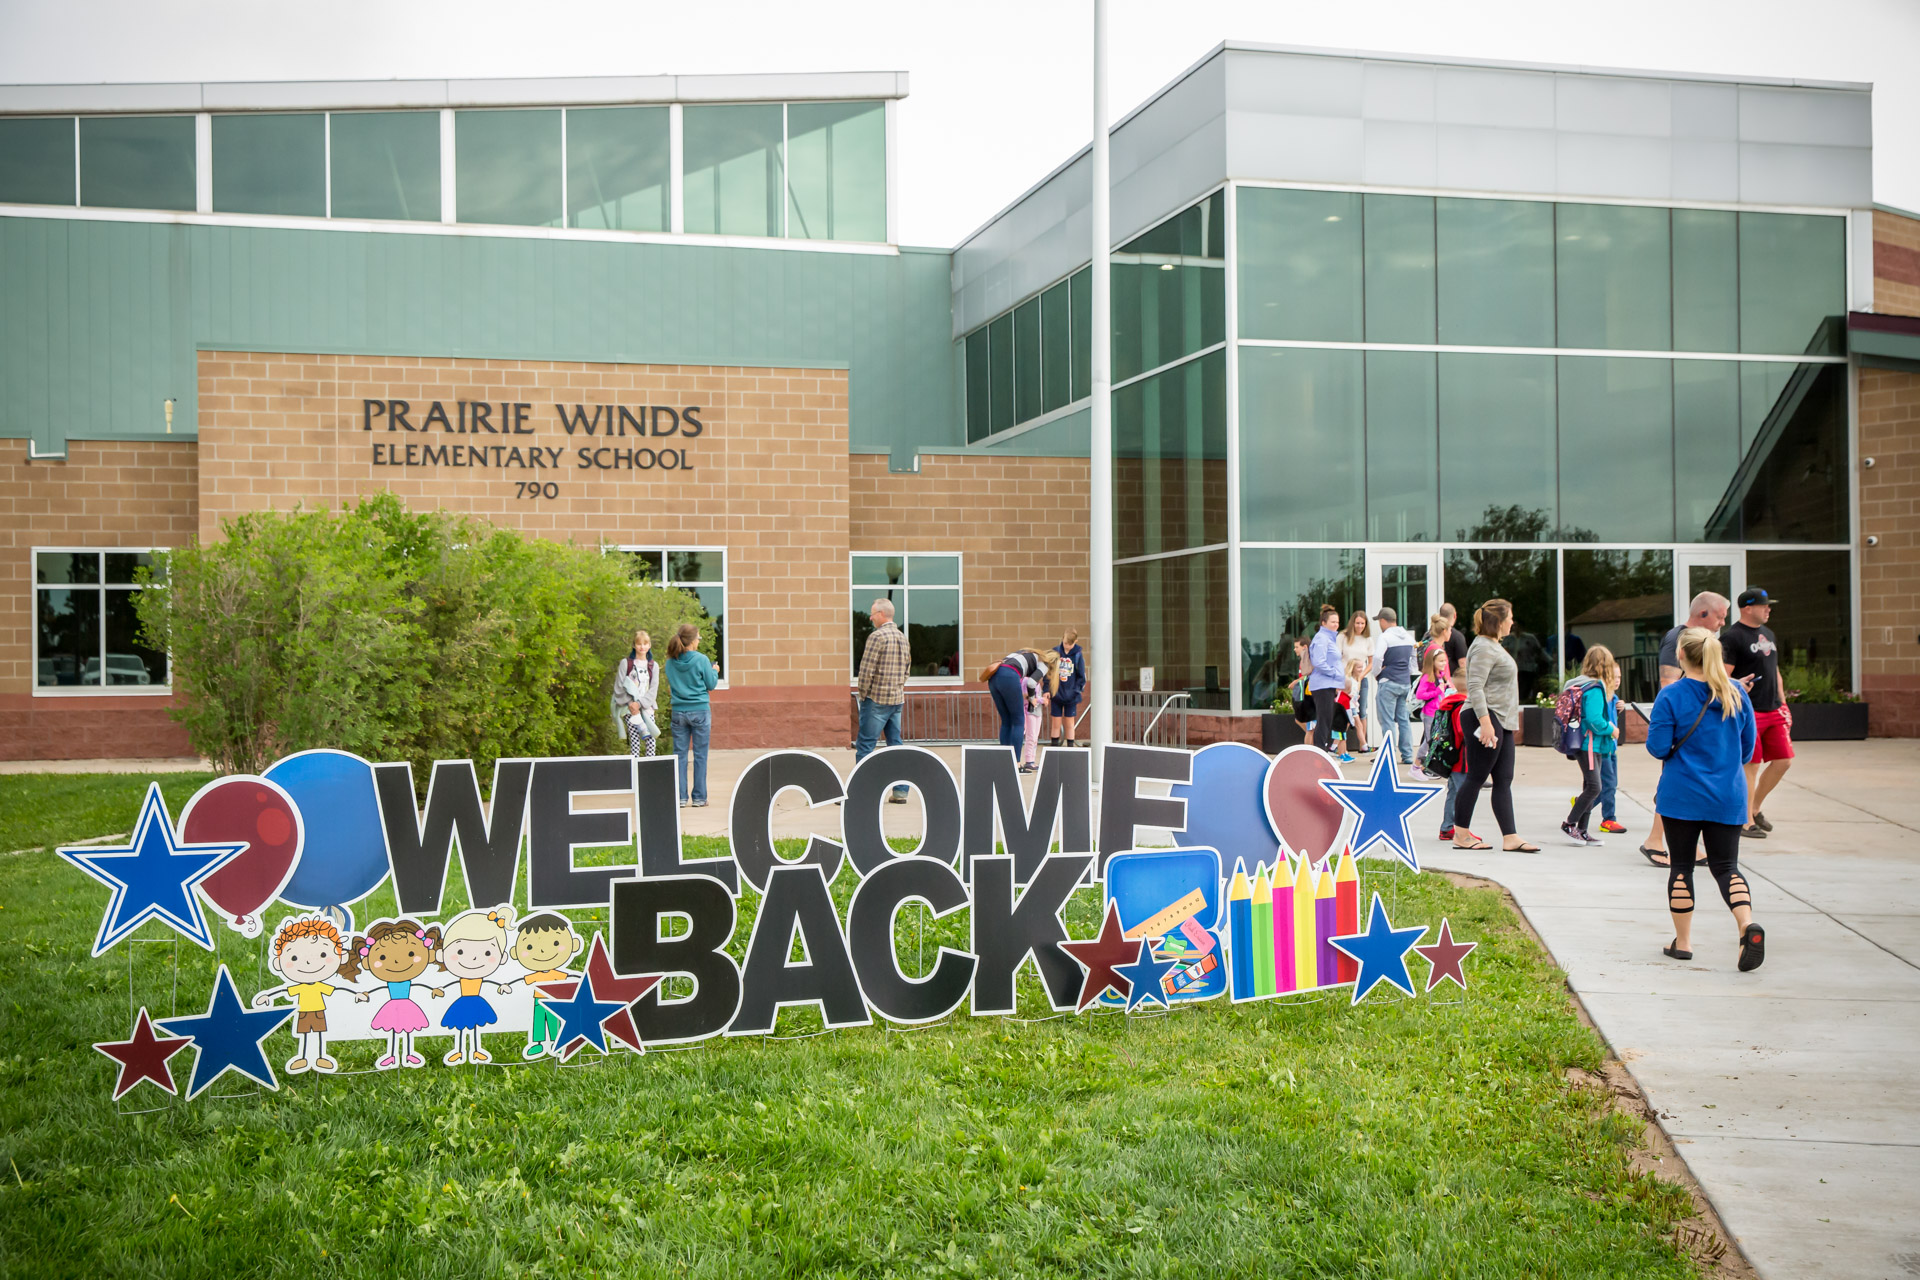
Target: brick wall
1890, 572
1896, 264
101, 495
1019, 524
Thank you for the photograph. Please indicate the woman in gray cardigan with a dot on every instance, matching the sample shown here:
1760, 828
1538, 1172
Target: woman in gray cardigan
1488, 720
636, 692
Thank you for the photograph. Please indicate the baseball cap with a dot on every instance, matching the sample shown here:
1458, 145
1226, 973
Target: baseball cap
1755, 595
1386, 615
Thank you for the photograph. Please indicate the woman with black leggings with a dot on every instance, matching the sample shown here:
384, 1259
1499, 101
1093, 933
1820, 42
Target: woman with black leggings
1488, 721
1703, 729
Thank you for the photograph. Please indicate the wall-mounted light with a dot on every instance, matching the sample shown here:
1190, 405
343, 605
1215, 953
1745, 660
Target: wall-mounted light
1166, 266
168, 403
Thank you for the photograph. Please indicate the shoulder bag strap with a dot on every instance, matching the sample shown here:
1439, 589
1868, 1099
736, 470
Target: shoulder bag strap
1689, 733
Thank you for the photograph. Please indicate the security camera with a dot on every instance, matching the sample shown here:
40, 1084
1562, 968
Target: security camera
1867, 463
1873, 539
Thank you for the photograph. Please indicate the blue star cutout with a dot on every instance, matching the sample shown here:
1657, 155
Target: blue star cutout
1381, 951
1145, 974
1382, 804
581, 1016
152, 878
228, 1035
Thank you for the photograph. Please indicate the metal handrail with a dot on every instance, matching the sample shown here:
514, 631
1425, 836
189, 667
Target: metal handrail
1148, 734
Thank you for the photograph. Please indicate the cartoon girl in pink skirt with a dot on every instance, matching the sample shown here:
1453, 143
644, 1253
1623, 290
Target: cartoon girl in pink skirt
397, 952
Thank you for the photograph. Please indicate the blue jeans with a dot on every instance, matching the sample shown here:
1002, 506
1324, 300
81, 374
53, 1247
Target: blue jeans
1609, 783
1396, 712
1010, 700
876, 719
692, 729
1446, 806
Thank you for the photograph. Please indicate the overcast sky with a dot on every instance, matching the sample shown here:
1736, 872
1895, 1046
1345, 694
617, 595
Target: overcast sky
1000, 88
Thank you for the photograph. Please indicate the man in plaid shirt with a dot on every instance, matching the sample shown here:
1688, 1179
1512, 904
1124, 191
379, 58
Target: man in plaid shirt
883, 686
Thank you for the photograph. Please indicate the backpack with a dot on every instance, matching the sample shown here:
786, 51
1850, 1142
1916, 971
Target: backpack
1442, 750
1566, 714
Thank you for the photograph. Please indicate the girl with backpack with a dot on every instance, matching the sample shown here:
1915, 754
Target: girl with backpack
1596, 735
1703, 730
636, 693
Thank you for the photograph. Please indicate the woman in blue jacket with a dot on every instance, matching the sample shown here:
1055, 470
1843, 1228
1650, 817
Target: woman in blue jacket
1703, 728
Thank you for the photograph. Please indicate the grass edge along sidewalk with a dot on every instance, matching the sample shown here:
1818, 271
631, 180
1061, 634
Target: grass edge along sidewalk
1399, 1138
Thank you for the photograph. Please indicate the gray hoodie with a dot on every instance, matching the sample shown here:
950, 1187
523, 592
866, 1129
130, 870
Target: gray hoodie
1396, 656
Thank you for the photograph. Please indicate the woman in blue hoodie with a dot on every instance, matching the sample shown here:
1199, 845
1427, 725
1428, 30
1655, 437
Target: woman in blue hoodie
1703, 728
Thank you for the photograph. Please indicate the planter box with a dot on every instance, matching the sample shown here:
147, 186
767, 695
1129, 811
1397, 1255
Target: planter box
1537, 727
1278, 732
1829, 721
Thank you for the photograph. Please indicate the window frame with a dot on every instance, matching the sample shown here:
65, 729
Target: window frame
102, 586
666, 551
959, 558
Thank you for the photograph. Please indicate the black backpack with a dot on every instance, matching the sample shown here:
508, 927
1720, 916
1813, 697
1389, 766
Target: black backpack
1442, 752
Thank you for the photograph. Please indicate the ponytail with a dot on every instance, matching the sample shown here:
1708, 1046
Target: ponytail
1701, 648
685, 640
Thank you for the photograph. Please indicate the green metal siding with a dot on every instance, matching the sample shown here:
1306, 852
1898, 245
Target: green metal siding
99, 321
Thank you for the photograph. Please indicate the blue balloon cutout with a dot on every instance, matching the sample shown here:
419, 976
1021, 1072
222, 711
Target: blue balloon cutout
345, 856
1225, 809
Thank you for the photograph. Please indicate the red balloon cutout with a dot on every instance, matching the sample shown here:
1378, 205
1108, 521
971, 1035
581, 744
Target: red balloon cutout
259, 812
1304, 816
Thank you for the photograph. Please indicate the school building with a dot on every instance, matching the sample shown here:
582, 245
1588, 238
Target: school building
1386, 329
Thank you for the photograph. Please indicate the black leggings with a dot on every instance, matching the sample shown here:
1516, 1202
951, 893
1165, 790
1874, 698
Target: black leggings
1485, 762
1589, 790
1325, 703
1723, 862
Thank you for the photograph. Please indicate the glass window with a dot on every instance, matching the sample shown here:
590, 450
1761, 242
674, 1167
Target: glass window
1170, 459
1080, 304
1616, 443
270, 164
1163, 311
979, 386
1302, 444
386, 164
734, 176
1706, 449
617, 162
1624, 601
702, 574
837, 170
1281, 592
649, 565
1056, 349
1814, 619
1611, 277
87, 633
36, 161
1793, 283
925, 592
1026, 360
137, 162
1791, 484
1498, 468
1528, 580
1403, 447
1300, 264
1000, 356
507, 167
1171, 617
1199, 231
1399, 244
1706, 281
1495, 272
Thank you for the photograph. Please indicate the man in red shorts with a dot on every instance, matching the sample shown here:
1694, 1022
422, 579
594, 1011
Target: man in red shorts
1751, 651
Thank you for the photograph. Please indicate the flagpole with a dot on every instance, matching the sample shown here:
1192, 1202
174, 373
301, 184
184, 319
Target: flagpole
1100, 460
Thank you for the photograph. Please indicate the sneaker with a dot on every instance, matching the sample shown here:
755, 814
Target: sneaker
1612, 827
1591, 841
897, 797
699, 804
683, 804
1760, 821
1446, 833
1573, 834
1346, 757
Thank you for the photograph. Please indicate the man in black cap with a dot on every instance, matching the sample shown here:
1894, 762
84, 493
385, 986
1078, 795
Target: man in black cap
1753, 656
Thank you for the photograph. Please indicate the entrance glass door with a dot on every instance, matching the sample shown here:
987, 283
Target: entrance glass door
1723, 572
1406, 580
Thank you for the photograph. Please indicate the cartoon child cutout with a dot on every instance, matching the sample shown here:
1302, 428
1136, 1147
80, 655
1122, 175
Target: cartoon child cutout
397, 952
472, 949
544, 944
309, 953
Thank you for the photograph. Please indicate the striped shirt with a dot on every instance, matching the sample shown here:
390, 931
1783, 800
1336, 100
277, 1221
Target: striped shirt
884, 666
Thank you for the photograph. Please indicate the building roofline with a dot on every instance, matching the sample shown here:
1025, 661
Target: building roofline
346, 95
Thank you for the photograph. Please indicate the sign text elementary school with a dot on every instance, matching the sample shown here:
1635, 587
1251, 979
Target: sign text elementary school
600, 424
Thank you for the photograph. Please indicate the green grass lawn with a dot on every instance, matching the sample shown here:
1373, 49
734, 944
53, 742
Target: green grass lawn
1399, 1138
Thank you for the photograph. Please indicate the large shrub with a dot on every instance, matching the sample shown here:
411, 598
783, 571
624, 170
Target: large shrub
399, 635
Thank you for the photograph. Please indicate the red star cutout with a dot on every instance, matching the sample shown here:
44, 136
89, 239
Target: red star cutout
607, 986
1445, 957
1102, 958
144, 1057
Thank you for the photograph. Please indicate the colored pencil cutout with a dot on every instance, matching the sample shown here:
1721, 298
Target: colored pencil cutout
1346, 911
1240, 933
1262, 933
1283, 952
1326, 924
1306, 961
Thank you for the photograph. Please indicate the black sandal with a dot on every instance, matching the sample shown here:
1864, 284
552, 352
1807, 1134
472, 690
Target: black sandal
1673, 952
1651, 854
1753, 947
